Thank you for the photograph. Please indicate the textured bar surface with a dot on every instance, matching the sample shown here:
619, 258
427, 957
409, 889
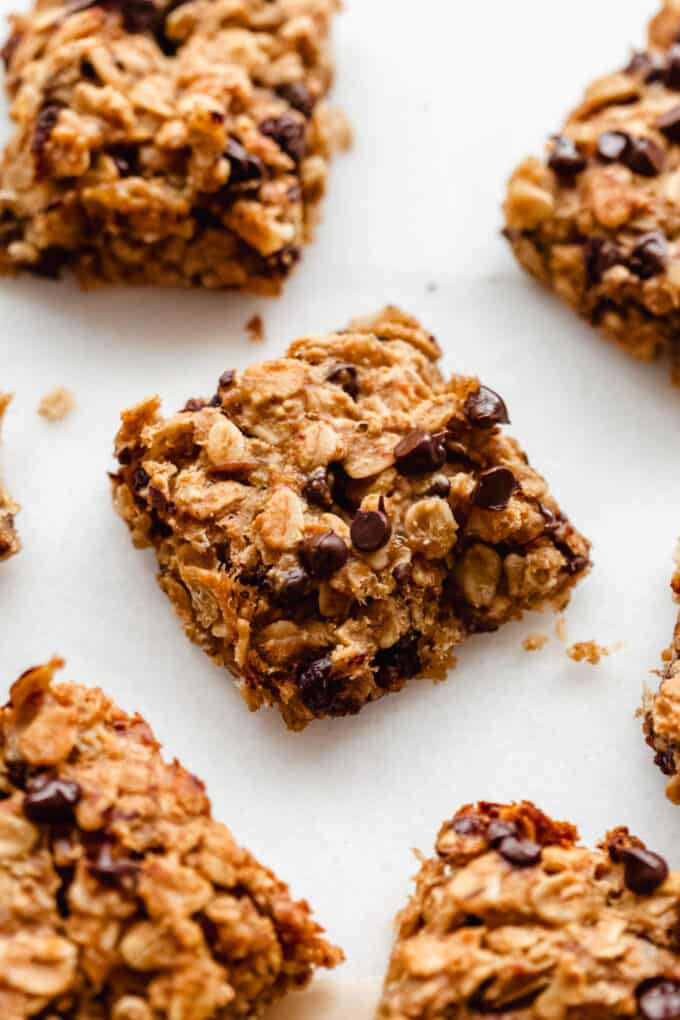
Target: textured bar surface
9, 539
661, 709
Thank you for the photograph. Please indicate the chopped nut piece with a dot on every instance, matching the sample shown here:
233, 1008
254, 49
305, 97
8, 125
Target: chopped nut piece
596, 219
588, 651
535, 642
57, 404
512, 918
112, 865
351, 549
167, 142
9, 539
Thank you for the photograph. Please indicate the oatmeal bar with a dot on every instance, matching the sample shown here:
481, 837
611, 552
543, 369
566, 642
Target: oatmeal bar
598, 219
167, 142
661, 711
9, 539
513, 918
330, 524
122, 898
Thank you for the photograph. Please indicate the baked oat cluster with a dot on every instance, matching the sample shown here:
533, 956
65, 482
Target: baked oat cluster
512, 918
661, 710
122, 899
330, 524
598, 219
9, 539
167, 142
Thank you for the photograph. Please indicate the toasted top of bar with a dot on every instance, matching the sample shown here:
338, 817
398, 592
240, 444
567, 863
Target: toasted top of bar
122, 898
512, 917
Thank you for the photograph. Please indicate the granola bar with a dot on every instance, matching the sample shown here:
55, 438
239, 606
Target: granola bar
598, 219
9, 539
512, 918
167, 142
661, 711
122, 899
330, 524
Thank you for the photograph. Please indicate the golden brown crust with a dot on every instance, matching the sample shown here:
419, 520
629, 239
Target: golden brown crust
175, 143
661, 710
9, 539
513, 918
122, 898
597, 220
307, 547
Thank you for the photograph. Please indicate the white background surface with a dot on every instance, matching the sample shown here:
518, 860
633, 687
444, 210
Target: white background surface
446, 98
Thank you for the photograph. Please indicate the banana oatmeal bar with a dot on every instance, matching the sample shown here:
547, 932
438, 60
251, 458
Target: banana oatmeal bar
512, 918
661, 711
598, 219
9, 539
330, 524
122, 899
175, 142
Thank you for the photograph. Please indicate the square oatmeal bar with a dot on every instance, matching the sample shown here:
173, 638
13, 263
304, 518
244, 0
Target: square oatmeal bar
167, 142
330, 524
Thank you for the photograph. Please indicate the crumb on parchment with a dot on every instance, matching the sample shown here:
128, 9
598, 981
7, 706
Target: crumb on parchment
57, 404
255, 329
535, 642
588, 651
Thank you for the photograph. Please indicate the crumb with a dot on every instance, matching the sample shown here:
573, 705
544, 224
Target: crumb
667, 654
535, 642
255, 329
588, 650
561, 629
57, 404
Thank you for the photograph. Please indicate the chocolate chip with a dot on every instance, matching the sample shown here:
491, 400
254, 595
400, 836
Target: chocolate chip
46, 120
486, 408
322, 555
126, 159
659, 998
566, 159
290, 587
611, 145
669, 125
672, 74
495, 488
51, 800
644, 157
244, 165
345, 376
498, 830
317, 490
647, 66
140, 478
289, 133
648, 257
116, 870
318, 687
194, 404
441, 486
402, 572
419, 452
298, 95
137, 15
599, 255
282, 261
552, 523
643, 871
226, 379
577, 564
665, 760
370, 529
468, 825
398, 663
522, 853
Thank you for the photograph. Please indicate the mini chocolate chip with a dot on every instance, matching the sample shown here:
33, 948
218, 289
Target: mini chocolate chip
665, 760
577, 564
317, 490
345, 376
298, 95
468, 825
290, 587
419, 452
648, 257
498, 830
599, 255
611, 145
109, 869
486, 408
244, 165
402, 572
398, 663
669, 125
282, 261
643, 871
140, 478
522, 853
672, 75
647, 66
322, 555
51, 800
318, 687
495, 488
441, 486
552, 523
44, 125
126, 158
658, 998
289, 133
370, 529
644, 157
226, 379
566, 159
194, 404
